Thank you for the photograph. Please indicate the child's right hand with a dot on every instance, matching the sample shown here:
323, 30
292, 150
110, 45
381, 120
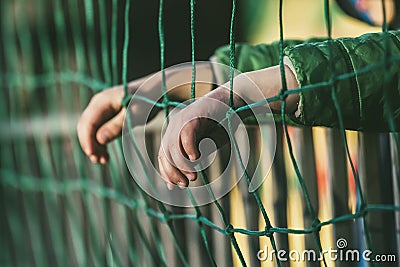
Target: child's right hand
100, 123
102, 120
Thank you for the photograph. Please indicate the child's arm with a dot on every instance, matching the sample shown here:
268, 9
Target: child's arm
102, 120
191, 124
366, 99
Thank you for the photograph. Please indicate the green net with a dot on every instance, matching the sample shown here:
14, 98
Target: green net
58, 209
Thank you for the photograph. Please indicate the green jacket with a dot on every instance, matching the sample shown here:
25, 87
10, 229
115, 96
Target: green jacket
361, 97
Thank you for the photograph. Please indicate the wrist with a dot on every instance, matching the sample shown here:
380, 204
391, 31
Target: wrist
292, 100
269, 82
222, 94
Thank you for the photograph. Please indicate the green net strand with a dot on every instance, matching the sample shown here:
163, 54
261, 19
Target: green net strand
232, 53
360, 198
56, 189
193, 54
388, 105
359, 195
125, 103
166, 104
114, 49
201, 228
228, 226
79, 53
125, 49
384, 23
33, 234
105, 61
388, 110
267, 221
160, 204
53, 79
310, 208
162, 58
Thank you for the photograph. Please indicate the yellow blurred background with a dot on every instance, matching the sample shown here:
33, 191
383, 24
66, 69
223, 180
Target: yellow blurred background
301, 20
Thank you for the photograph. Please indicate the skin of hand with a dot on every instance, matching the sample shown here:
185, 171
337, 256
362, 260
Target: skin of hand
102, 120
190, 125
100, 123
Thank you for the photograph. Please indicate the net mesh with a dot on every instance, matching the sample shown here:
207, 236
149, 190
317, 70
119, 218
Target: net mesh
58, 209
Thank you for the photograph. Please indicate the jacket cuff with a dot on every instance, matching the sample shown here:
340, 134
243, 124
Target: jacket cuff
289, 64
313, 66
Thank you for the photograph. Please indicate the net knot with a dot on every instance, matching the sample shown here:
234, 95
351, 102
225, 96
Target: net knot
198, 216
362, 209
229, 113
268, 232
167, 216
126, 99
282, 95
229, 229
316, 224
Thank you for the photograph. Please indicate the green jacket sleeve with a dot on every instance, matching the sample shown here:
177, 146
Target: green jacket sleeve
249, 58
360, 97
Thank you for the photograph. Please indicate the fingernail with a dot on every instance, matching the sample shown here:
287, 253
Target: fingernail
181, 185
170, 186
93, 158
192, 158
103, 160
191, 176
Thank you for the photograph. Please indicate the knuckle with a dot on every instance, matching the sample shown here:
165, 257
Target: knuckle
96, 97
78, 126
194, 124
187, 138
186, 141
81, 127
172, 175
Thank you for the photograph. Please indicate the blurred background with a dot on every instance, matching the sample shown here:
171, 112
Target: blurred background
58, 209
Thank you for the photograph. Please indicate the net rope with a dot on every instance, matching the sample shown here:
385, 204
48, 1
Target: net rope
50, 181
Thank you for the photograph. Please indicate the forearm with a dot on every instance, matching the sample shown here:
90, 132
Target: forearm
269, 82
178, 83
251, 87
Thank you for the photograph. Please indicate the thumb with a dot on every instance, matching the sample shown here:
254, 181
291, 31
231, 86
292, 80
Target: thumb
111, 129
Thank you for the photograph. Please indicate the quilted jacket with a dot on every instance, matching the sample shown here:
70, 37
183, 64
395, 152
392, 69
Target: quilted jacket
366, 99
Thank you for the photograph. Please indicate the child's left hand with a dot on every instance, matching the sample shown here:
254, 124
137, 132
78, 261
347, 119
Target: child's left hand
180, 144
199, 120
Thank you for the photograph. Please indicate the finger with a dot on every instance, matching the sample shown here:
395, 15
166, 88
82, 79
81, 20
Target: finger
188, 139
170, 173
85, 132
95, 151
100, 155
180, 162
162, 174
99, 109
110, 129
104, 158
94, 158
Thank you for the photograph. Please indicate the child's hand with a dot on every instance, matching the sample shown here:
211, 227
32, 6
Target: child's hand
179, 147
179, 151
100, 123
103, 118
